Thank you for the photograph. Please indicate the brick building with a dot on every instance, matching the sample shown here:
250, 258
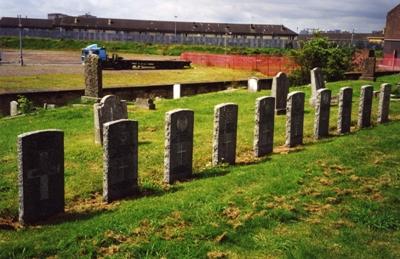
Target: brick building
392, 38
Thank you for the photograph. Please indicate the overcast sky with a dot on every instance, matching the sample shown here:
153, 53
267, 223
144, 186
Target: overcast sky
360, 15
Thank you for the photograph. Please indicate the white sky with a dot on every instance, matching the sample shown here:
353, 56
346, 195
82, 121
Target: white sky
360, 15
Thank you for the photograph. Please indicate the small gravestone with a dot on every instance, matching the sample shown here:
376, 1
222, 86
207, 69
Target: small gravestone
41, 175
280, 90
384, 103
317, 82
369, 67
252, 84
48, 106
93, 78
120, 178
146, 103
225, 130
264, 129
322, 112
109, 109
178, 155
13, 108
365, 107
295, 119
345, 105
177, 91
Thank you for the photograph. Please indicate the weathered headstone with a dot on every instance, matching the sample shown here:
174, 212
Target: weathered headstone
109, 109
48, 106
120, 178
322, 112
41, 175
365, 108
178, 155
384, 103
345, 105
369, 67
225, 133
317, 82
13, 108
264, 129
280, 90
177, 91
252, 84
93, 77
295, 119
147, 103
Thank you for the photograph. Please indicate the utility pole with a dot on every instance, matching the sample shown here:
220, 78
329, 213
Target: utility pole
21, 57
176, 17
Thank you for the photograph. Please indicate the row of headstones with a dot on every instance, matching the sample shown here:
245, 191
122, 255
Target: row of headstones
41, 154
14, 108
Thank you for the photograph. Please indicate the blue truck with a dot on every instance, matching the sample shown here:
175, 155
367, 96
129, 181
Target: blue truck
116, 62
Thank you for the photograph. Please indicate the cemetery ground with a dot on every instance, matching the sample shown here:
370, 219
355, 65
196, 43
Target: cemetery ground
52, 70
338, 197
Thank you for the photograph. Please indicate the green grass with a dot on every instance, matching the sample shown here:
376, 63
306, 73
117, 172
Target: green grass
338, 197
134, 47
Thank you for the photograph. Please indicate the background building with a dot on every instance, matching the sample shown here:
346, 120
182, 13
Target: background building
392, 38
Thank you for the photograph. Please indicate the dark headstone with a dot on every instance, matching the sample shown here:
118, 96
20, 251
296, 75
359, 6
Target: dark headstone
178, 156
264, 128
295, 119
225, 130
93, 77
322, 112
109, 109
280, 90
345, 106
120, 177
384, 103
365, 108
41, 175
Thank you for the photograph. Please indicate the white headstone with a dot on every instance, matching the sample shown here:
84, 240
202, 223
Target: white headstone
252, 84
13, 108
177, 91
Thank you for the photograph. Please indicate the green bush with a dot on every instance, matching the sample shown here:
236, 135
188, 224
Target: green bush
25, 105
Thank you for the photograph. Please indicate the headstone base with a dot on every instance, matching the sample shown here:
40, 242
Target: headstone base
368, 78
90, 99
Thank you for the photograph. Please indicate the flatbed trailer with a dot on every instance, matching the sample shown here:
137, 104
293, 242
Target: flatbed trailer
122, 64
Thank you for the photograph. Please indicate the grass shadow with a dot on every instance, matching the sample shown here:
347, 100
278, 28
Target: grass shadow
211, 172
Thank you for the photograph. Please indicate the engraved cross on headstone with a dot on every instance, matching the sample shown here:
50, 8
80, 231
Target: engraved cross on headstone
41, 174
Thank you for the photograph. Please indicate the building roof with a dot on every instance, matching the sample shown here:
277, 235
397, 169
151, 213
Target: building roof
84, 22
392, 30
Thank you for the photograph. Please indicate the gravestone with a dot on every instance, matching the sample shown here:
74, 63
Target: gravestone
369, 67
41, 175
365, 107
295, 119
322, 112
280, 90
177, 91
13, 108
384, 103
48, 106
109, 109
147, 103
225, 130
317, 82
120, 178
93, 77
345, 106
264, 128
178, 154
252, 84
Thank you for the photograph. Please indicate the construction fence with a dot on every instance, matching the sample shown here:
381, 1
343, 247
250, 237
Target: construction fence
268, 65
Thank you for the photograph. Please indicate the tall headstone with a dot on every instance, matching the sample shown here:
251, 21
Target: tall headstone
109, 109
317, 82
225, 133
13, 108
41, 175
322, 112
177, 91
365, 108
280, 90
345, 106
120, 178
295, 119
93, 77
264, 128
369, 67
178, 153
252, 84
384, 103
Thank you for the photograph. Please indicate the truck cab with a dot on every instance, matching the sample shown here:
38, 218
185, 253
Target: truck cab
94, 49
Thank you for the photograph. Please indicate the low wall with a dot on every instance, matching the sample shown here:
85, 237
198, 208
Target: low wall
357, 75
63, 97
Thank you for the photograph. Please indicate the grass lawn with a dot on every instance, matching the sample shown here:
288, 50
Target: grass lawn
339, 197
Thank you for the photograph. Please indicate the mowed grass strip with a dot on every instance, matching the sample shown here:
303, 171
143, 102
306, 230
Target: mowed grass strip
338, 197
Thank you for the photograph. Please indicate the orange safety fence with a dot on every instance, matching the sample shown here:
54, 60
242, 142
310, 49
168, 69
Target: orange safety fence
268, 65
389, 63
